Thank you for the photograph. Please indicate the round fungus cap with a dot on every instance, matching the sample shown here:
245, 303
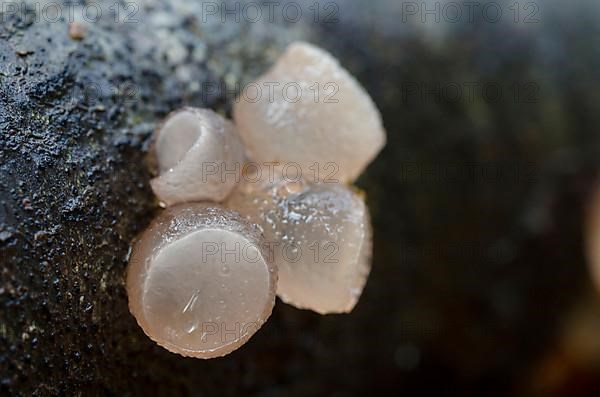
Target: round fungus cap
199, 156
326, 256
320, 237
200, 281
260, 199
313, 113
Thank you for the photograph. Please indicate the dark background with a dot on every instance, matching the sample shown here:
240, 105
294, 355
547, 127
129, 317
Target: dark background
479, 283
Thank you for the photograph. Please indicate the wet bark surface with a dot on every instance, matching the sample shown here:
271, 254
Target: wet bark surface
476, 201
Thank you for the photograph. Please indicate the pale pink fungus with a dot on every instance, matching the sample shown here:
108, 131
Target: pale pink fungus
309, 110
200, 282
202, 279
199, 155
320, 237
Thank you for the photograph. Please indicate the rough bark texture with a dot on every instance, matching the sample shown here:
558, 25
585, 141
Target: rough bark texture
475, 202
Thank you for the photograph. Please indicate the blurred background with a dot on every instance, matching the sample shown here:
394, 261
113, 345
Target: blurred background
480, 285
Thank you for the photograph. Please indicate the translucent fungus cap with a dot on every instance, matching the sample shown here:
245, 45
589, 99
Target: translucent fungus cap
260, 200
200, 282
320, 236
199, 156
309, 110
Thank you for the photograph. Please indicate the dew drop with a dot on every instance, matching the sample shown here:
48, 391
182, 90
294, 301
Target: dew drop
225, 270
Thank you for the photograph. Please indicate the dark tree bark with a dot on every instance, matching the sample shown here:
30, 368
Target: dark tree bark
477, 250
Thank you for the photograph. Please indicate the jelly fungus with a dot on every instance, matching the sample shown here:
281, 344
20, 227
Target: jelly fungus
202, 279
200, 282
320, 238
310, 111
199, 156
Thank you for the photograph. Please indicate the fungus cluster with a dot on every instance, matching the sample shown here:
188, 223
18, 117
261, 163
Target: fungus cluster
239, 228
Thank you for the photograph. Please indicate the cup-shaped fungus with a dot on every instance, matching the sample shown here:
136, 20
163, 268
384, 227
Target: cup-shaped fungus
320, 237
199, 156
310, 111
260, 198
200, 281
